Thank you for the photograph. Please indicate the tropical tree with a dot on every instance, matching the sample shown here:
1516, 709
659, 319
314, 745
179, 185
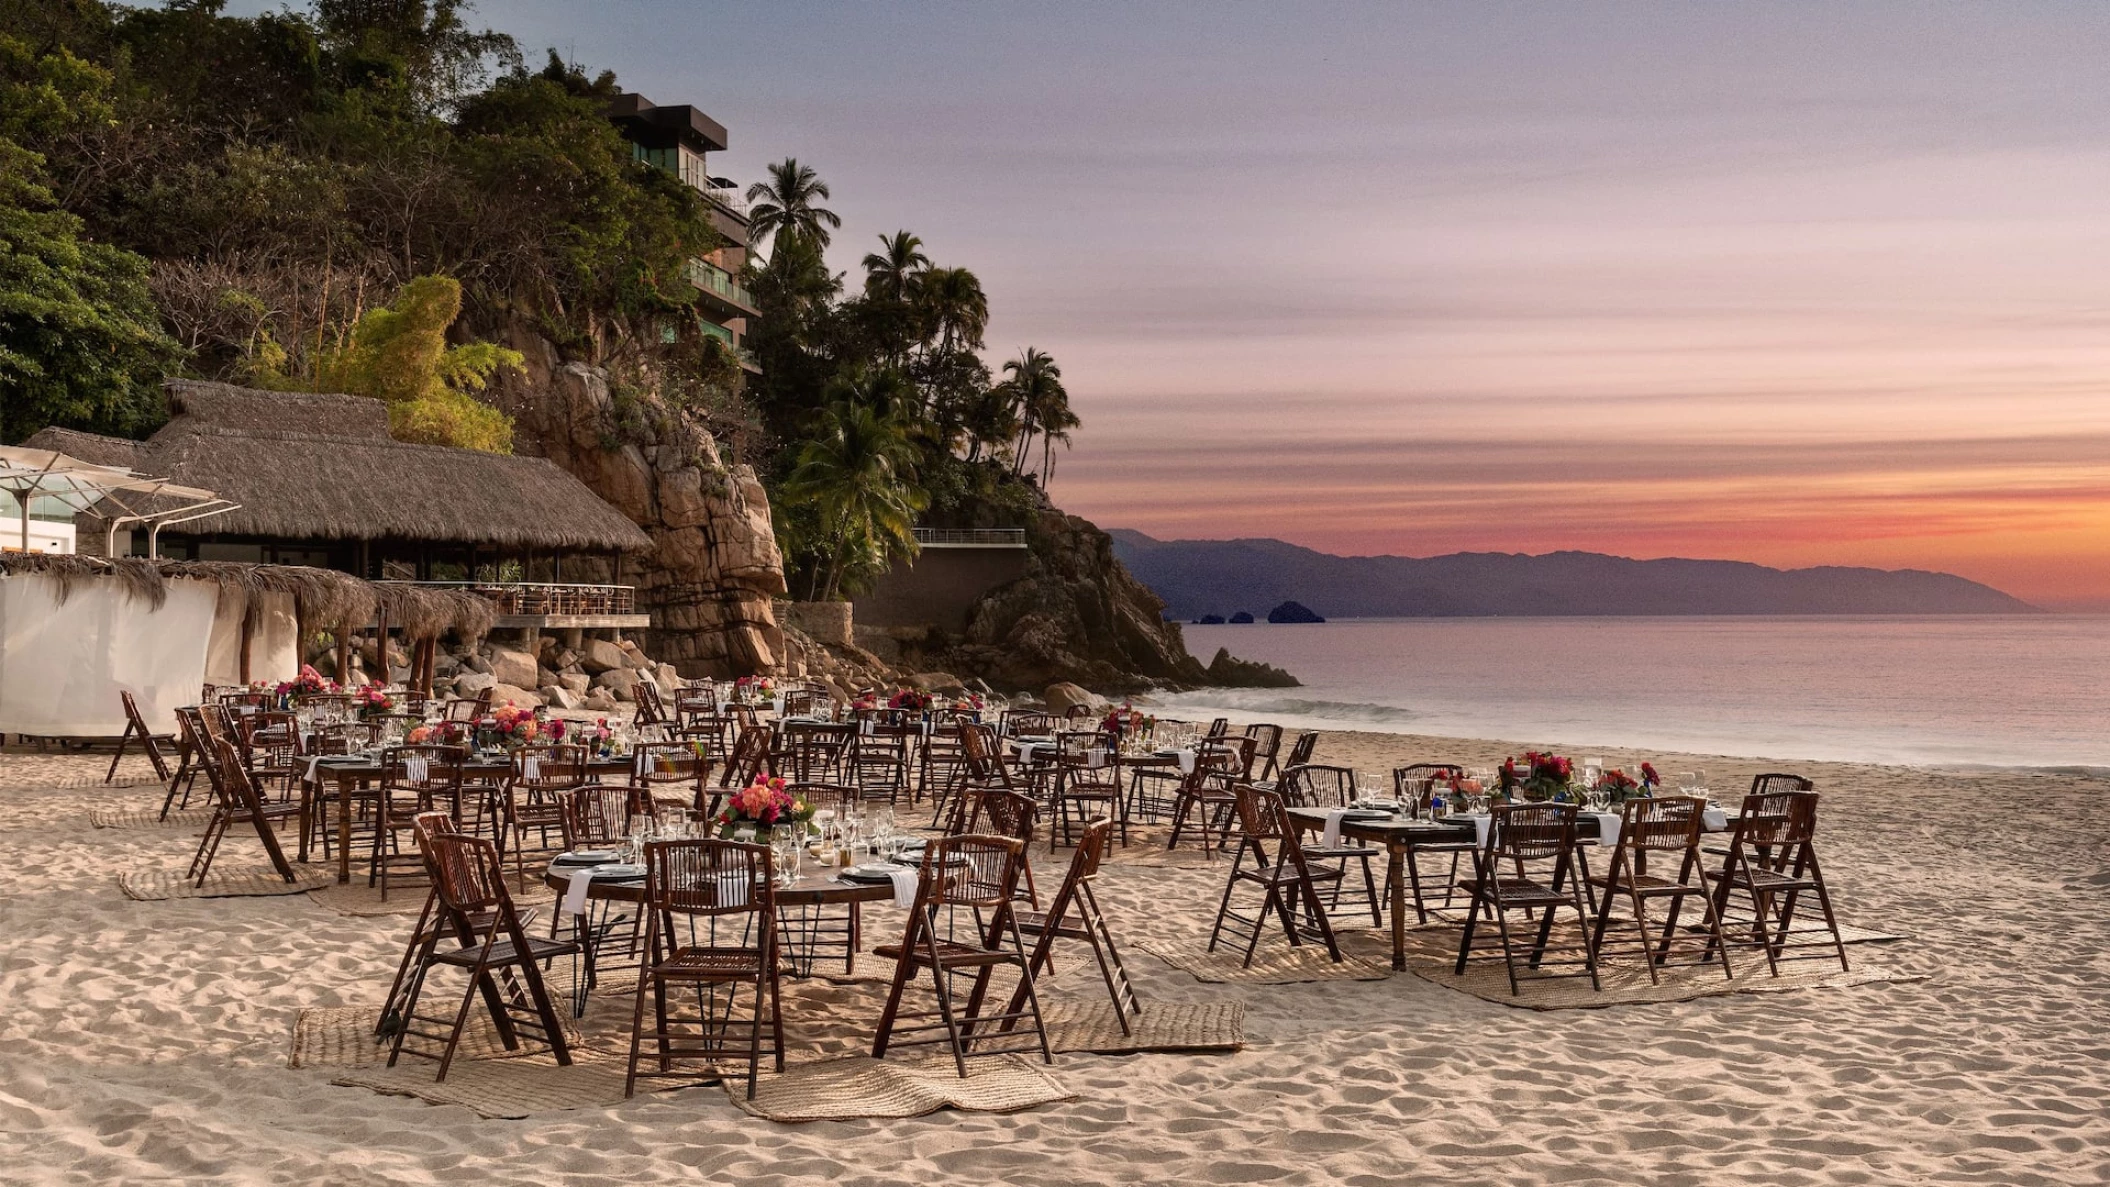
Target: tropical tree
954, 308
80, 343
399, 355
893, 273
857, 472
1034, 384
785, 203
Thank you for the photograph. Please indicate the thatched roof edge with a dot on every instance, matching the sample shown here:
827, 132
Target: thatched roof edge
325, 598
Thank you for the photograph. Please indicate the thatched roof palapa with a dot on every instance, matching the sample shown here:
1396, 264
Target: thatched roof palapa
323, 467
325, 598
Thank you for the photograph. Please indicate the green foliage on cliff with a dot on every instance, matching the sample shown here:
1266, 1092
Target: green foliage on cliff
399, 356
80, 345
266, 184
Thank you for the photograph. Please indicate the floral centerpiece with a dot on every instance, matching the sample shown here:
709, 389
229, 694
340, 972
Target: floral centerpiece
762, 805
1538, 777
971, 703
748, 690
1617, 787
511, 726
373, 700
1122, 722
309, 683
910, 700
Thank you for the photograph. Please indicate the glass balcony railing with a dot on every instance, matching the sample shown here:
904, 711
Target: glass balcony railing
711, 278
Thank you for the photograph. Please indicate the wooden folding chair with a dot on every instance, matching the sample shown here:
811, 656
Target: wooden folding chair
1667, 829
1074, 914
710, 925
1289, 885
1525, 837
963, 923
502, 962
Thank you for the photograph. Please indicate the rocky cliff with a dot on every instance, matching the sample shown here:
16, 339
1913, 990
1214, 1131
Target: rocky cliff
714, 567
1076, 616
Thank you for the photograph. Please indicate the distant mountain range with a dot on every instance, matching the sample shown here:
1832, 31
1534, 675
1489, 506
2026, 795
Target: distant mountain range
1197, 577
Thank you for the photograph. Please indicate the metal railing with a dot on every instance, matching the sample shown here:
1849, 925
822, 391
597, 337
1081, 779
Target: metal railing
709, 276
545, 597
727, 196
982, 537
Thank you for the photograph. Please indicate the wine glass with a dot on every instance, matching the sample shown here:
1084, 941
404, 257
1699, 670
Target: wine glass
882, 833
1687, 781
784, 846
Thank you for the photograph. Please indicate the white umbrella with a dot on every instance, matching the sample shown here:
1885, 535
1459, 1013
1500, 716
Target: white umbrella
42, 473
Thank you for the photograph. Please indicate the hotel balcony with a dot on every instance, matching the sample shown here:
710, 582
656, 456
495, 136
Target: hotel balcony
722, 295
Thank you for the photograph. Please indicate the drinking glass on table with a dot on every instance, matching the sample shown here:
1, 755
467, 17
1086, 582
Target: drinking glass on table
1687, 781
881, 828
784, 849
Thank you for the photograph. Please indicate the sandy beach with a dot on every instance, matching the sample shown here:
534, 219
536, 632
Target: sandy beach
148, 1041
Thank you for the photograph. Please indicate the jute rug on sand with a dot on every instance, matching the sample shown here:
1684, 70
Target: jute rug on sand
1624, 978
843, 1089
1276, 963
343, 1036
148, 818
223, 881
1163, 1026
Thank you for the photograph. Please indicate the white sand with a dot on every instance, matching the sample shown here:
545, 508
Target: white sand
146, 1041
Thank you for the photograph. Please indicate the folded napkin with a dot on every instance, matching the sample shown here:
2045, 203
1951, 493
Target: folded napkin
904, 887
1714, 819
312, 763
1332, 836
1186, 760
1026, 751
1608, 828
1481, 823
575, 892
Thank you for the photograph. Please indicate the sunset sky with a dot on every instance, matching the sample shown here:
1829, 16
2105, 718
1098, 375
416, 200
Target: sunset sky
1794, 284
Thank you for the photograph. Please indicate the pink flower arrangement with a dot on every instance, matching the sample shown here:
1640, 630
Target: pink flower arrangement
1539, 776
766, 802
754, 688
1650, 780
910, 700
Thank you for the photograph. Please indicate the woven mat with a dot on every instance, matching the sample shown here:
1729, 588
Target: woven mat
503, 1088
1625, 980
224, 881
343, 1036
1275, 964
148, 818
860, 1087
1165, 1026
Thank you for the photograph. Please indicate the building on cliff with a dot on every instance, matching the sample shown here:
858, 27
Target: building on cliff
678, 138
318, 481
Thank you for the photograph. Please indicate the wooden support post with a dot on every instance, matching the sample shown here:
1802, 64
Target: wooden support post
344, 654
381, 645
246, 633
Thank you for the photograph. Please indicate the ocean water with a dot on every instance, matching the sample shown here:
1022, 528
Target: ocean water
1928, 690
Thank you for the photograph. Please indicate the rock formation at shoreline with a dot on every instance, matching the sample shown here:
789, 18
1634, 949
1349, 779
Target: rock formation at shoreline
714, 567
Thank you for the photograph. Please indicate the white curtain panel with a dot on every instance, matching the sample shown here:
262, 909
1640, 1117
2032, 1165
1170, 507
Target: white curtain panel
62, 665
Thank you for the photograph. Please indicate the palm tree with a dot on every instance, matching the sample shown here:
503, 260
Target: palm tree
954, 307
893, 274
1034, 384
858, 472
990, 418
785, 203
1055, 420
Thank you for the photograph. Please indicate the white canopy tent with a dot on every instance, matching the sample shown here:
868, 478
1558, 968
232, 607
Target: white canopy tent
125, 497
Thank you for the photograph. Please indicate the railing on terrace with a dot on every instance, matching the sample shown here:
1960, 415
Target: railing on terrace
728, 196
709, 276
982, 537
547, 598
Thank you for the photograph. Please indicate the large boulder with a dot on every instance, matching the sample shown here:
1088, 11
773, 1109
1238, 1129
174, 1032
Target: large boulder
620, 683
599, 655
1232, 672
559, 697
577, 682
600, 700
940, 683
514, 667
520, 698
1064, 696
468, 684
